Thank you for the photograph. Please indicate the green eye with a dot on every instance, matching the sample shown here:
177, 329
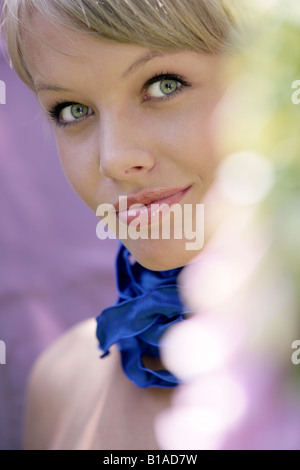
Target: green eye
79, 110
168, 86
74, 112
164, 86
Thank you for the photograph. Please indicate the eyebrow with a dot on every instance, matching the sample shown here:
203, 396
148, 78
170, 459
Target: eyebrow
44, 86
142, 61
133, 67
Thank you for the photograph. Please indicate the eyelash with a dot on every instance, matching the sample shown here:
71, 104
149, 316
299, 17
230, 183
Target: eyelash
167, 76
54, 112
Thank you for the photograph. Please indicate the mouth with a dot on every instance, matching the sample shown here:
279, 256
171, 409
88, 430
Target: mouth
142, 206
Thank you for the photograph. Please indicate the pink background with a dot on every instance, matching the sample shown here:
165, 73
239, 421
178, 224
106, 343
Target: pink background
54, 271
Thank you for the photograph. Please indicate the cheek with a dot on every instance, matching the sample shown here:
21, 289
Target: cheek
192, 141
203, 149
80, 168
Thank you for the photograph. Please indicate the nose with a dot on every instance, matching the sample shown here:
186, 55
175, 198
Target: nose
124, 151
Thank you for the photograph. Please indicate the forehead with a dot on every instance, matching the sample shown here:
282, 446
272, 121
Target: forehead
53, 49
67, 59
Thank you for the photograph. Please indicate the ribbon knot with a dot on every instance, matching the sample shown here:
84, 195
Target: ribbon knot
148, 303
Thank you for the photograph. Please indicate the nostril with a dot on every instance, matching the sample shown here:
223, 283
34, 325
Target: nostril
134, 168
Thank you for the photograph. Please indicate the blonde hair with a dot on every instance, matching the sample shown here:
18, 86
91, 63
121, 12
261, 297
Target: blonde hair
207, 26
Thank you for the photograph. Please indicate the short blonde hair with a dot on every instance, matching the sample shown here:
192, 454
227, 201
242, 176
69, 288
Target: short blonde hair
207, 26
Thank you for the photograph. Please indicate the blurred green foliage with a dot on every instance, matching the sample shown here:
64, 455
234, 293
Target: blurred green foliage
266, 121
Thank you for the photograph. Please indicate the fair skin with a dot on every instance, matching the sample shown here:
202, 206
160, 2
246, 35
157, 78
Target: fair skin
133, 136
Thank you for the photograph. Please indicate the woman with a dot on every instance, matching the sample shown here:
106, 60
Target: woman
131, 88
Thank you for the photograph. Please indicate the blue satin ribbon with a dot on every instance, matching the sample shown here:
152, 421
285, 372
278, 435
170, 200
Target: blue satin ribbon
148, 304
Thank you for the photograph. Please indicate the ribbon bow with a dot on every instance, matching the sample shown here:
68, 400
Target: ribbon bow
148, 304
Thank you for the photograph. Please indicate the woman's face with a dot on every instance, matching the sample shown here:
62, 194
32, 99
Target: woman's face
131, 122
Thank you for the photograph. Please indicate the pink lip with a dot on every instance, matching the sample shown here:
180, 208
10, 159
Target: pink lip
166, 196
151, 196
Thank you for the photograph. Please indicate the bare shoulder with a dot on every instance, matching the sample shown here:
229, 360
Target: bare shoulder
74, 346
59, 380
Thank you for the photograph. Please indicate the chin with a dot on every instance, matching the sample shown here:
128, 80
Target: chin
161, 255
